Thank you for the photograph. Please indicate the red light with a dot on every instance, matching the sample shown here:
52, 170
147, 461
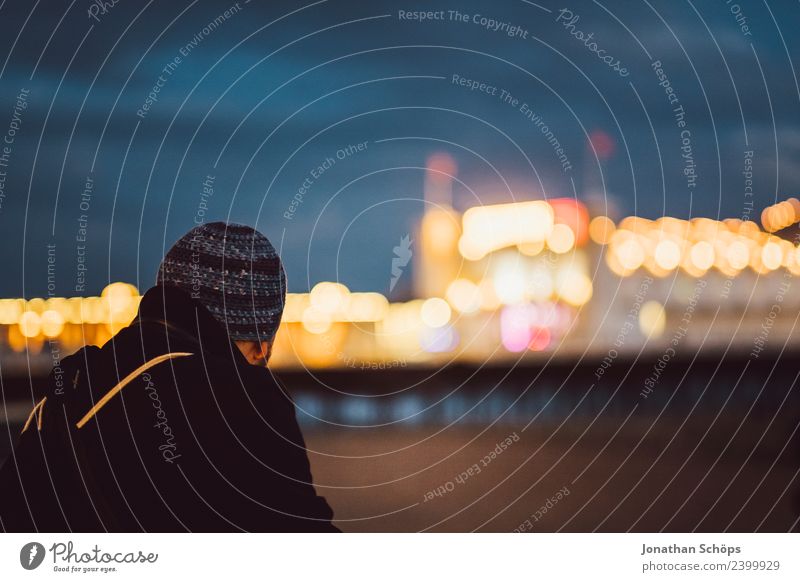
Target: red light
540, 340
574, 214
602, 143
441, 167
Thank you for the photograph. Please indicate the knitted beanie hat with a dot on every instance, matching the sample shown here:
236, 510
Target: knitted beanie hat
235, 272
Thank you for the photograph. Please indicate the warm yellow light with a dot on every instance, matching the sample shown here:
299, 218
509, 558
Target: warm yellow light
561, 239
94, 310
464, 295
766, 221
787, 250
489, 299
120, 304
490, 228
635, 224
749, 228
11, 310
470, 249
652, 319
16, 341
690, 268
574, 287
296, 304
316, 321
629, 251
30, 324
119, 296
616, 267
329, 297
793, 264
52, 323
600, 229
366, 307
667, 254
440, 231
651, 265
400, 329
74, 310
531, 249
738, 255
58, 304
781, 215
671, 225
509, 285
338, 303
785, 214
435, 312
702, 255
540, 285
771, 256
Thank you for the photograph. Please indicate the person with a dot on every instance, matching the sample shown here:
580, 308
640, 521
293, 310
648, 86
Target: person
175, 424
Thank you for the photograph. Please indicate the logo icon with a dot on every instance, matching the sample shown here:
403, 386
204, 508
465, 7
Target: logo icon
402, 255
31, 555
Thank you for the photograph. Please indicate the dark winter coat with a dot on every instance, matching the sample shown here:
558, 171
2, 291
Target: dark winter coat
198, 441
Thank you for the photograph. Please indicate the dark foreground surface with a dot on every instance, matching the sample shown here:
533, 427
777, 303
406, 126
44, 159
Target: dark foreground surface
713, 447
